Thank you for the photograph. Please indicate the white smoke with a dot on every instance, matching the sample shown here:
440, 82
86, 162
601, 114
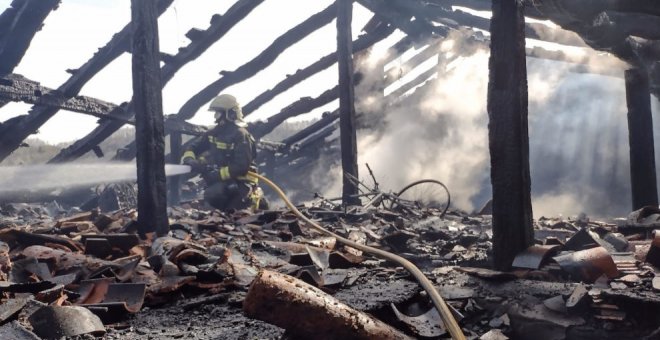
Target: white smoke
577, 123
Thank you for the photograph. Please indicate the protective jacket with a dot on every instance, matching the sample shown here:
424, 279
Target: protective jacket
229, 149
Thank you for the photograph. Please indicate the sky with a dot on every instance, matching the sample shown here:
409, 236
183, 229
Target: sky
72, 33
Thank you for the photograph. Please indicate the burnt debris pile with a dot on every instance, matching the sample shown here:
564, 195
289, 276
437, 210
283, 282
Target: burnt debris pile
89, 273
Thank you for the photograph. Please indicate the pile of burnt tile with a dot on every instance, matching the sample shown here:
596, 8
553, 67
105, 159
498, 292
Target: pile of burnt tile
74, 273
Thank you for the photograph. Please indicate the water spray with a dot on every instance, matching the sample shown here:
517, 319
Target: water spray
51, 176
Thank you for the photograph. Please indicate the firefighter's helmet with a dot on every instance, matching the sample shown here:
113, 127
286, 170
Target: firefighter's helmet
226, 107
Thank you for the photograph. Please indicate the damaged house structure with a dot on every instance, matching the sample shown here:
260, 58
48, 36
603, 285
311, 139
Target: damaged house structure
371, 264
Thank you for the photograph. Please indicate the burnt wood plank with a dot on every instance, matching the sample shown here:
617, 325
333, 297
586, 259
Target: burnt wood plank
18, 25
508, 134
347, 125
640, 134
149, 129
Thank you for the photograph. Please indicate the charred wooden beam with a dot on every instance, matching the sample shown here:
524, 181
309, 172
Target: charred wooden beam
479, 5
12, 135
218, 28
347, 125
149, 130
421, 78
15, 87
383, 8
327, 119
573, 10
19, 24
303, 105
257, 64
172, 125
640, 25
508, 134
202, 40
441, 13
395, 73
640, 134
360, 44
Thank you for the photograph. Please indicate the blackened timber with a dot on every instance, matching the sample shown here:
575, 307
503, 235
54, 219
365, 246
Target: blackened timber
260, 62
629, 24
128, 152
360, 44
218, 28
325, 120
579, 10
149, 128
422, 77
439, 13
20, 23
383, 8
640, 134
347, 125
220, 25
508, 134
15, 87
12, 135
395, 73
303, 105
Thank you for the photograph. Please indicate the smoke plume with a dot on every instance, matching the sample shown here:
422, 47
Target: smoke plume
577, 123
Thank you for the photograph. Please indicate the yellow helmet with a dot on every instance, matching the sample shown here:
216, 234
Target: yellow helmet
226, 105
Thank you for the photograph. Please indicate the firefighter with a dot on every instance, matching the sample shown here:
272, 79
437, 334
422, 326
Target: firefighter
223, 156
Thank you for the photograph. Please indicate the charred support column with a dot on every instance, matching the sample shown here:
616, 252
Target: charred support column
174, 182
149, 127
507, 134
346, 101
640, 134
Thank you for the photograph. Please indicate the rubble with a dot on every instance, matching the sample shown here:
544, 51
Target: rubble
566, 284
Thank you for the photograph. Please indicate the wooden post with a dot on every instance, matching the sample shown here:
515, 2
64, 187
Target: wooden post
174, 182
149, 127
346, 101
507, 134
640, 134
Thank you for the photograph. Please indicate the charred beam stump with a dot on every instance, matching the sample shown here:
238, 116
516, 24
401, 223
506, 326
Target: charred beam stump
508, 134
640, 134
149, 132
19, 24
347, 102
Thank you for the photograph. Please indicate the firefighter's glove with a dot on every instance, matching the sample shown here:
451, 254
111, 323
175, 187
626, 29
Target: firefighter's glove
194, 165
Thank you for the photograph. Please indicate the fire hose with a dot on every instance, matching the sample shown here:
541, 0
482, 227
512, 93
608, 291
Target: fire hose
445, 314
